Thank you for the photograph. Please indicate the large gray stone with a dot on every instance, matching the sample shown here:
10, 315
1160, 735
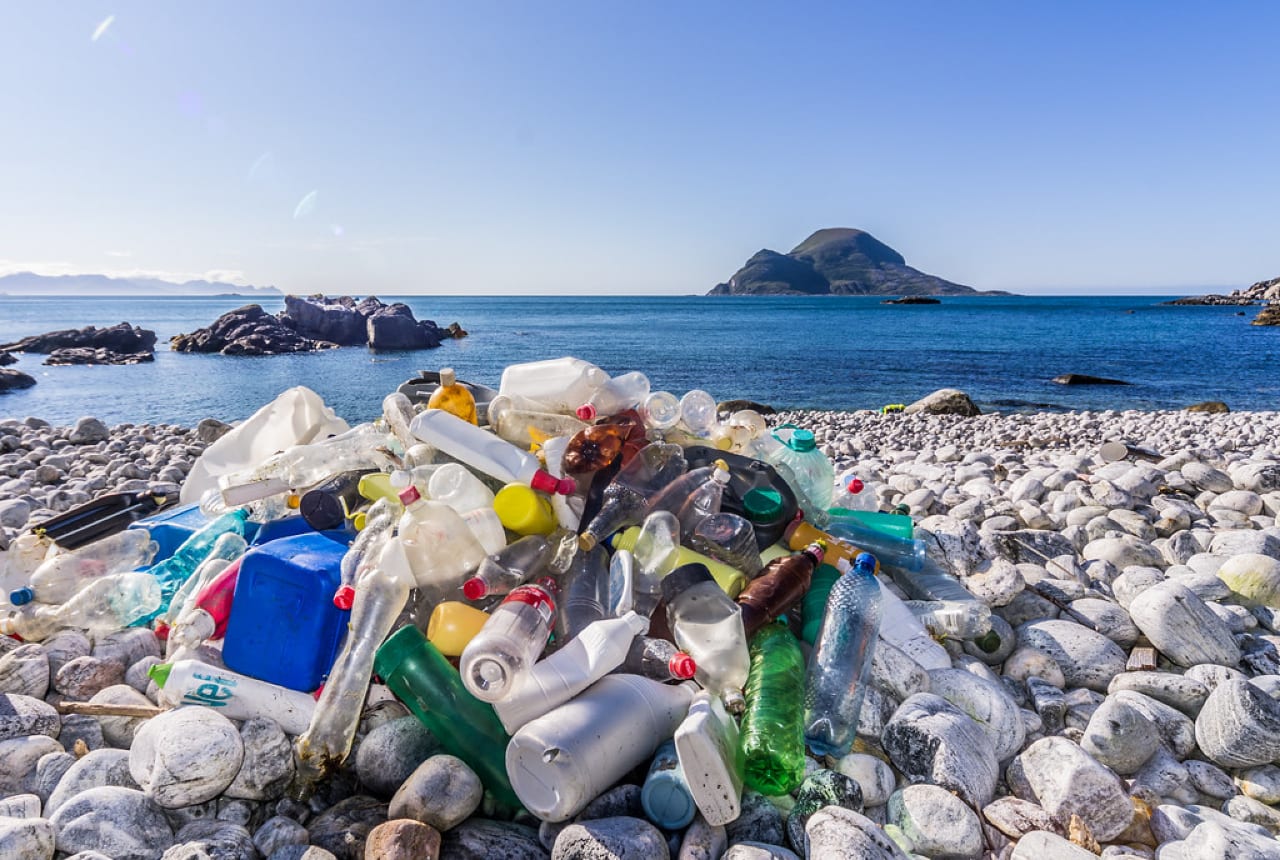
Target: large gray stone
267, 767
120, 731
937, 822
1063, 779
1239, 726
100, 768
1178, 691
25, 671
482, 839
18, 760
1043, 845
21, 716
838, 832
390, 753
1087, 659
442, 792
1182, 627
931, 740
186, 756
606, 838
121, 822
27, 838
1120, 737
986, 702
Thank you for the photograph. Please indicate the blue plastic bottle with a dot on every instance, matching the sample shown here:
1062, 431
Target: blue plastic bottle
841, 660
665, 796
284, 627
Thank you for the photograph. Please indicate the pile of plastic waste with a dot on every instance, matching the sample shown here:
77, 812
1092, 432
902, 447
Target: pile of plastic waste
563, 579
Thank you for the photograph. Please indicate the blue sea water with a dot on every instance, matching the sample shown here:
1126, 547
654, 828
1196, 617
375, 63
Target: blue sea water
823, 352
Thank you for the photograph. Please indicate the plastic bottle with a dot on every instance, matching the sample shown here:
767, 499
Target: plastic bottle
698, 412
658, 660
485, 452
728, 538
453, 398
595, 652
693, 496
626, 498
175, 570
707, 747
568, 509
440, 546
453, 625
397, 413
889, 550
897, 524
929, 582
380, 519
510, 641
665, 795
801, 533
486, 527
524, 424
559, 384
204, 614
854, 494
900, 627
466, 727
227, 549
584, 594
592, 448
524, 510
841, 661
812, 476
622, 585
968, 619
622, 392
106, 604
57, 579
301, 466
454, 485
781, 585
235, 696
814, 603
655, 550
380, 595
563, 760
771, 743
510, 567
730, 579
660, 410
708, 625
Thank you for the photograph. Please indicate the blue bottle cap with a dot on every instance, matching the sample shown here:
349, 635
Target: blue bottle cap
22, 596
802, 440
865, 563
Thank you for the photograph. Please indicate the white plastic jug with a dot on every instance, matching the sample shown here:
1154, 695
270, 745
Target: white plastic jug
558, 384
563, 760
706, 744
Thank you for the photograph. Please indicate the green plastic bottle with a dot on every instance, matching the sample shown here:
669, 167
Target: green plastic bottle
814, 605
466, 727
771, 745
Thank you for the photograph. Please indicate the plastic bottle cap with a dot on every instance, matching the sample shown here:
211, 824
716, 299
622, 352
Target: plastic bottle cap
447, 377
409, 495
683, 666
586, 412
21, 596
855, 486
762, 505
344, 597
802, 440
865, 562
683, 577
548, 483
474, 588
160, 673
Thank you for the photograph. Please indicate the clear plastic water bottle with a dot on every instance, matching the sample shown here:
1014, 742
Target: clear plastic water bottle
620, 393
104, 605
854, 494
841, 660
519, 422
307, 465
584, 594
559, 384
660, 410
807, 469
60, 577
380, 519
698, 413
454, 485
510, 641
626, 498
708, 625
510, 567
966, 619
439, 544
728, 538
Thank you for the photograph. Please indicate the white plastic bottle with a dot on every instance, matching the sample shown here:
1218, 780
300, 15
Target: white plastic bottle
660, 410
899, 626
57, 579
236, 696
707, 744
509, 642
439, 544
563, 760
622, 392
485, 452
588, 657
559, 384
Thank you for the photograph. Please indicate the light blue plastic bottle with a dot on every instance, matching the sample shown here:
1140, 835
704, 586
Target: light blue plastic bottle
665, 796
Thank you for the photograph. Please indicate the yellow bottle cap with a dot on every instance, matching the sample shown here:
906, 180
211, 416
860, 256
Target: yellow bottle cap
524, 510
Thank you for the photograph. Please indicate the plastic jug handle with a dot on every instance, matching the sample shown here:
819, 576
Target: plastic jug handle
787, 426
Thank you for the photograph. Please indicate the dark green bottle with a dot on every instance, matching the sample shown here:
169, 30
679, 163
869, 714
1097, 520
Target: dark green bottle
814, 605
771, 744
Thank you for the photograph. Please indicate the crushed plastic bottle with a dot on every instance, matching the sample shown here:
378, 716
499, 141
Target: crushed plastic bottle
379, 522
618, 394
658, 660
854, 494
106, 604
693, 496
728, 538
584, 594
708, 625
441, 549
58, 578
510, 567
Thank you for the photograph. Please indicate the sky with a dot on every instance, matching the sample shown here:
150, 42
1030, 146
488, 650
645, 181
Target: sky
604, 147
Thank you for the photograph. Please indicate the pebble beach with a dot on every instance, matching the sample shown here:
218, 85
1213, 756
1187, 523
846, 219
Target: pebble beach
1131, 709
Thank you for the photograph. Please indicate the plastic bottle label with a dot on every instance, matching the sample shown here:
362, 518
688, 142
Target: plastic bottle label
535, 597
213, 693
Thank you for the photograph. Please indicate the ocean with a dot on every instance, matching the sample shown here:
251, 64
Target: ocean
819, 353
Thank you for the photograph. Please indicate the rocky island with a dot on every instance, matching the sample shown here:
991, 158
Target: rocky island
838, 261
1266, 293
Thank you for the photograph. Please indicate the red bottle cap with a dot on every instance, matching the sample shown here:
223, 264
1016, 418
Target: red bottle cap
474, 588
546, 483
162, 632
409, 495
316, 694
344, 597
683, 666
586, 412
855, 486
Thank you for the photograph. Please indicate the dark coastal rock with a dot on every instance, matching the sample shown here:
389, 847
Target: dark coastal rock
393, 328
732, 406
483, 839
85, 355
1086, 379
945, 401
1270, 315
912, 300
1210, 406
838, 262
1262, 291
248, 330
121, 338
339, 320
12, 380
344, 827
6, 358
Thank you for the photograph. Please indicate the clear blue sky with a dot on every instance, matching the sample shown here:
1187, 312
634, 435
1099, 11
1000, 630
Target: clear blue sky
640, 147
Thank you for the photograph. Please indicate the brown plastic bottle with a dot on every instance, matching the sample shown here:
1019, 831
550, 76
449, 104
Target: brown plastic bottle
779, 586
593, 448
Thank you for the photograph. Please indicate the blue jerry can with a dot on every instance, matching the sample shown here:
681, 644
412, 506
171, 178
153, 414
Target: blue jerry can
284, 627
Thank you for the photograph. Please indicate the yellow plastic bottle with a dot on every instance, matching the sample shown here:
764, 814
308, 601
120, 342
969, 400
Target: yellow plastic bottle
453, 398
524, 510
453, 624
801, 534
726, 576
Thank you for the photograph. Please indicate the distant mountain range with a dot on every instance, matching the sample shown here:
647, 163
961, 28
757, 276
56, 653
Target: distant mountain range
31, 284
838, 261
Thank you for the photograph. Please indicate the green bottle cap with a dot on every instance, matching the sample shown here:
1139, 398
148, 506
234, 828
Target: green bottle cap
762, 505
802, 440
160, 673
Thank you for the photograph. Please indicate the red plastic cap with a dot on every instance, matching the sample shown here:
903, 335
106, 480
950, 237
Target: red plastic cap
855, 486
162, 631
547, 483
474, 588
586, 412
683, 666
316, 694
409, 495
344, 597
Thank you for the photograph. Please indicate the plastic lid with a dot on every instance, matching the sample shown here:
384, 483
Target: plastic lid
762, 504
474, 588
344, 597
586, 412
855, 485
447, 377
409, 495
683, 577
21, 596
160, 673
667, 802
801, 440
548, 483
162, 631
683, 666
865, 562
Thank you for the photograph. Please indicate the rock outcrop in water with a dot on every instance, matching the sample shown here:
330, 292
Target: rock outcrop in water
313, 323
117, 344
837, 261
1262, 291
